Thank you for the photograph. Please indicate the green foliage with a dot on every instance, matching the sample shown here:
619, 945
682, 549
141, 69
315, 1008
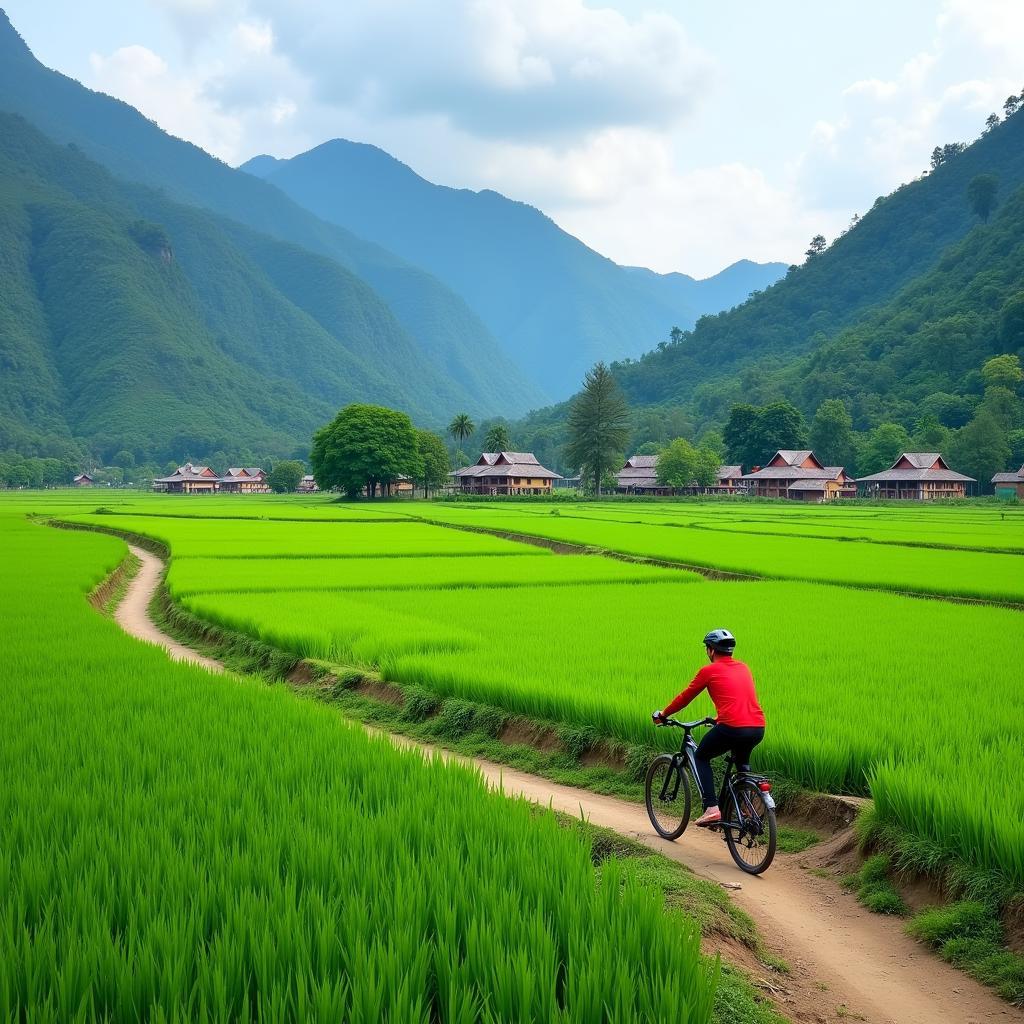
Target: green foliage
677, 464
882, 447
753, 435
461, 427
968, 934
874, 888
1003, 371
981, 195
433, 461
364, 446
831, 436
981, 448
286, 476
498, 439
598, 426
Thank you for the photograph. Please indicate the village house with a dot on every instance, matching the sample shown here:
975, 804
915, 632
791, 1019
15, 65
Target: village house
307, 485
244, 480
1009, 485
505, 473
801, 476
916, 476
188, 479
729, 480
83, 480
640, 476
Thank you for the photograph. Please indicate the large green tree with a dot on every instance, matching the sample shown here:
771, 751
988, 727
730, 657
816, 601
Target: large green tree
738, 434
981, 449
364, 446
706, 466
882, 447
598, 426
1003, 372
434, 464
677, 464
778, 425
286, 476
832, 434
497, 438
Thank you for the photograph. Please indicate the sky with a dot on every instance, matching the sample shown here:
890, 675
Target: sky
680, 136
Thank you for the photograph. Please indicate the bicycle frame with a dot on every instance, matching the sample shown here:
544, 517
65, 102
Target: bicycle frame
687, 754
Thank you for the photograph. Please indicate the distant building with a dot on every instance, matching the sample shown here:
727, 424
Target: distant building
1009, 485
244, 480
729, 480
801, 476
505, 473
916, 476
82, 480
307, 485
188, 479
640, 476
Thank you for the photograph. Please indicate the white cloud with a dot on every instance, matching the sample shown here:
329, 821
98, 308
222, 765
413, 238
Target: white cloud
889, 127
578, 109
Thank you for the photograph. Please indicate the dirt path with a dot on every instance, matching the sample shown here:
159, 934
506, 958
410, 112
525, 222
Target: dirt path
846, 963
132, 614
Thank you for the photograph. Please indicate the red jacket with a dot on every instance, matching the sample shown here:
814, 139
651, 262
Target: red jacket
731, 687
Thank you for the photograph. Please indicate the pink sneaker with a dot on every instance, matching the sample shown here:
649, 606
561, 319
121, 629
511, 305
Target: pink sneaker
712, 816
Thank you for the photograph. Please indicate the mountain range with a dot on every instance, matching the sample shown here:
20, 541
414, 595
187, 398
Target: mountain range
555, 305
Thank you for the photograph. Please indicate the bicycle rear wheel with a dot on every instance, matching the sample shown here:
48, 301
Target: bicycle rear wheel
750, 829
668, 796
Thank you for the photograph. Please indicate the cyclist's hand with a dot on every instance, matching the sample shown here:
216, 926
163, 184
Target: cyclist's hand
658, 718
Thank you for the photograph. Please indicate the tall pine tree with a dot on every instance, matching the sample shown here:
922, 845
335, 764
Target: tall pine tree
598, 426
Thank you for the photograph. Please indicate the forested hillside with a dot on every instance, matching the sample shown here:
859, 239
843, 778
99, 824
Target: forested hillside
135, 323
900, 238
555, 305
134, 148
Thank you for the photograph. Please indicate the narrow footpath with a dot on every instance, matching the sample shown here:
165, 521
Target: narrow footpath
846, 963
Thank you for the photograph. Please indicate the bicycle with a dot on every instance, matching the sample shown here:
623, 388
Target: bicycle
748, 810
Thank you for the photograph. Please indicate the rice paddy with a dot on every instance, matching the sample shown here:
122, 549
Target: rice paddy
866, 692
187, 847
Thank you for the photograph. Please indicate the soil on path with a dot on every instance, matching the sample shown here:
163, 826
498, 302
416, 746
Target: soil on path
846, 963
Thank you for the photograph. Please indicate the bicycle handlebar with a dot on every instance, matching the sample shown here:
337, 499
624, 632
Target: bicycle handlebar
687, 725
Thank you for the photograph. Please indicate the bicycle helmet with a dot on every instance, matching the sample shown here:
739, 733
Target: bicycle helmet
720, 640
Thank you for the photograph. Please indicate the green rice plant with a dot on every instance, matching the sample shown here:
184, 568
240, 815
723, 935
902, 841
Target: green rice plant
183, 846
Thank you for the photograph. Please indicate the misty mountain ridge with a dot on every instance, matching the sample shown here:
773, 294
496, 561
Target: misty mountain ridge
554, 304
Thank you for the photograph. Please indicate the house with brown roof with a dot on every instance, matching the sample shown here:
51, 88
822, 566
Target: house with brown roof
188, 479
497, 473
640, 476
83, 480
917, 476
244, 480
1009, 485
801, 476
307, 485
729, 480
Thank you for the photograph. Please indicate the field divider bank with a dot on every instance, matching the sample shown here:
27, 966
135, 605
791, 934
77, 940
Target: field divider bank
837, 953
560, 546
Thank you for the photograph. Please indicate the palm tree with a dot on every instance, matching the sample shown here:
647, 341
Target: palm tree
461, 427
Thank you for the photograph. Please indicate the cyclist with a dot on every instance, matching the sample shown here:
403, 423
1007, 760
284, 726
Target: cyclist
739, 724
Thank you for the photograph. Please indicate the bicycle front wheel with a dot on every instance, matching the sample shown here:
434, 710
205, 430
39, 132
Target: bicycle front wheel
750, 829
668, 795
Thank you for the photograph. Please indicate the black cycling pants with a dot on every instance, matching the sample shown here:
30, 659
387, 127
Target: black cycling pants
719, 740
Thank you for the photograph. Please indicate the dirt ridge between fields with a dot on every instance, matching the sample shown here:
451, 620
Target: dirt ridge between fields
846, 963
